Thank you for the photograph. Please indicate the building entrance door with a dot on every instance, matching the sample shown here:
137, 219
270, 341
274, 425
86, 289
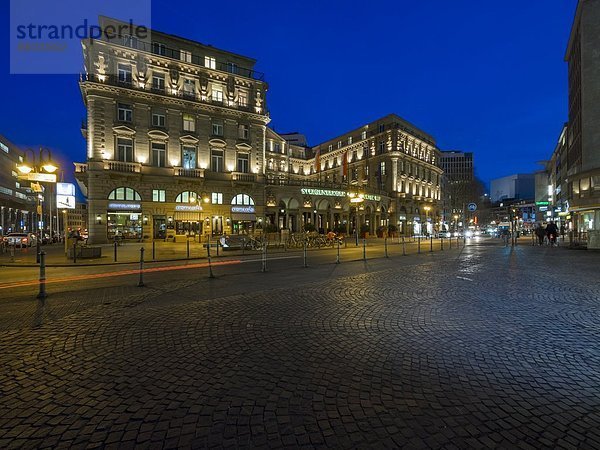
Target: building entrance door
160, 227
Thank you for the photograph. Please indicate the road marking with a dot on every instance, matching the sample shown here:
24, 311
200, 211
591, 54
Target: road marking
464, 278
91, 276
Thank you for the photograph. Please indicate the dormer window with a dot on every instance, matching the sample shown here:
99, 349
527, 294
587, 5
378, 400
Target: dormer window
185, 56
210, 62
158, 48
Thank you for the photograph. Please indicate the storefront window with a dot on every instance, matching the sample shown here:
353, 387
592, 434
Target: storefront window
126, 225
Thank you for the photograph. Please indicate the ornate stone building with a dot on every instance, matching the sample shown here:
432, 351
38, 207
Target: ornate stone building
178, 144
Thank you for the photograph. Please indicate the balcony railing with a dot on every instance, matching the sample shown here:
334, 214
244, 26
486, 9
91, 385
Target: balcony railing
128, 83
188, 173
162, 50
80, 167
243, 177
120, 166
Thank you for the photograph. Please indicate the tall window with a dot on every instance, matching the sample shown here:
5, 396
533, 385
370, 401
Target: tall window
217, 93
185, 56
188, 157
210, 62
339, 144
158, 195
189, 87
243, 163
189, 123
159, 154
349, 140
217, 128
242, 98
363, 135
276, 147
329, 147
158, 81
124, 112
243, 131
382, 169
158, 120
124, 150
381, 147
217, 198
124, 73
381, 128
216, 160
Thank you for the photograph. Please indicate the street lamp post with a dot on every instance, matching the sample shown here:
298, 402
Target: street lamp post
427, 209
33, 171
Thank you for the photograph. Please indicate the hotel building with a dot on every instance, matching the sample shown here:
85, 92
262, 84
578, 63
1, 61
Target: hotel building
178, 145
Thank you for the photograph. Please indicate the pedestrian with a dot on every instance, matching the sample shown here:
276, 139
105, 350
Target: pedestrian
540, 233
563, 230
551, 232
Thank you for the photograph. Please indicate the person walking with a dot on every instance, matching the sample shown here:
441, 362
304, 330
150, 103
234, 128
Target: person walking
540, 233
551, 232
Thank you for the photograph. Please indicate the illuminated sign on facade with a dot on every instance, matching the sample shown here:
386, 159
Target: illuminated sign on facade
336, 193
65, 195
188, 208
327, 192
124, 206
243, 209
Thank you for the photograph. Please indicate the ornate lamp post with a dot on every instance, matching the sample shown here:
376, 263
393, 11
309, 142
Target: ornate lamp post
34, 171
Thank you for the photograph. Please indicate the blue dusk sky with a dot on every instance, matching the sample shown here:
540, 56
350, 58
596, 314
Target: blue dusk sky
480, 76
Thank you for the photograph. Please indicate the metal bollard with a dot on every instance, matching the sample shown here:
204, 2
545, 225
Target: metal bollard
153, 251
337, 258
457, 241
188, 248
356, 235
305, 264
141, 282
115, 252
431, 243
243, 246
42, 294
385, 247
74, 252
442, 243
218, 242
403, 246
264, 257
419, 244
364, 249
210, 272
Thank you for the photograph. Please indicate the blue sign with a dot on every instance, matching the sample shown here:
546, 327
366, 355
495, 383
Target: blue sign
472, 207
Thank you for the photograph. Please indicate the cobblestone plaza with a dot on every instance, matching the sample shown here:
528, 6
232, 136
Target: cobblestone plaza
483, 347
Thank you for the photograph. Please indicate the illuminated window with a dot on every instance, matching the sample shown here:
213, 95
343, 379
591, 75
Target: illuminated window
243, 200
242, 98
210, 62
349, 140
217, 93
363, 135
185, 56
124, 193
217, 198
188, 157
187, 197
158, 195
189, 123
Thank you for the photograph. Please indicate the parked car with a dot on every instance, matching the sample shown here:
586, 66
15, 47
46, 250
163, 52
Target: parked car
21, 239
444, 234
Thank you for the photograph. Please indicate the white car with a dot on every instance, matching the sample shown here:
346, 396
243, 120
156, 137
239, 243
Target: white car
21, 239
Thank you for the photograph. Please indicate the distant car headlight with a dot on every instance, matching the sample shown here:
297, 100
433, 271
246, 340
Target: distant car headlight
469, 234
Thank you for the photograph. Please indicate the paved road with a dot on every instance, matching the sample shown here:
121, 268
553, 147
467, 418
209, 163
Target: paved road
483, 347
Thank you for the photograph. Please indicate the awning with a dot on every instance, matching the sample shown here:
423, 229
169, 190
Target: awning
243, 217
187, 216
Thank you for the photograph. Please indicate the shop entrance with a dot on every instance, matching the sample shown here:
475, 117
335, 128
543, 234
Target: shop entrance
160, 227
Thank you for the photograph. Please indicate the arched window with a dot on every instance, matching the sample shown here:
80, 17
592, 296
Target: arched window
242, 200
187, 197
124, 193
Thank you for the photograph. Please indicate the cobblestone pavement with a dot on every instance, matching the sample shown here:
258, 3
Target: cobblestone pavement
490, 348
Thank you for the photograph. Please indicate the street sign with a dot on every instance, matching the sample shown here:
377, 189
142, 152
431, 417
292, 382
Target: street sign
37, 176
472, 207
65, 195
